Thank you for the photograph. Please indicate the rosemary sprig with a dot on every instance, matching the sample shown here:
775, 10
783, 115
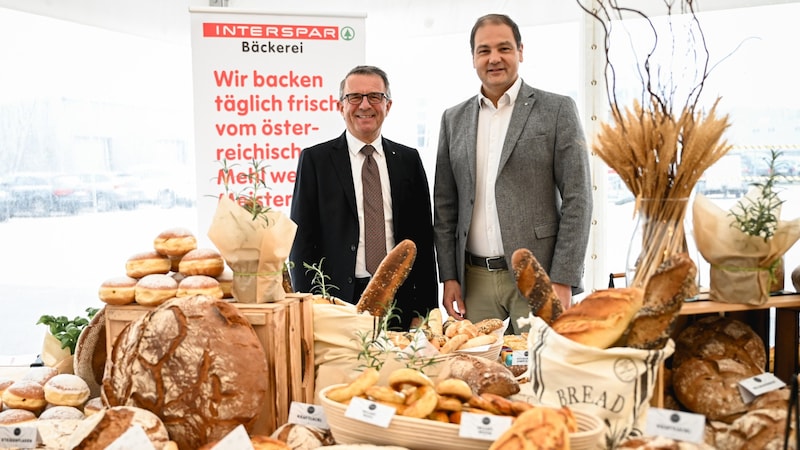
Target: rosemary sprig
319, 283
756, 217
248, 201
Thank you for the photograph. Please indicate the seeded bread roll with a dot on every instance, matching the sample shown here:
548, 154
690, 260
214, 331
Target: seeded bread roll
664, 294
389, 276
601, 318
534, 284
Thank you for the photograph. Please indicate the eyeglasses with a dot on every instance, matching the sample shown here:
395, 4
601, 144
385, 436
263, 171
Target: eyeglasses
373, 98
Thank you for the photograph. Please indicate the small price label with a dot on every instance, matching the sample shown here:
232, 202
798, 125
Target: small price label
752, 387
483, 426
19, 437
308, 415
370, 412
678, 425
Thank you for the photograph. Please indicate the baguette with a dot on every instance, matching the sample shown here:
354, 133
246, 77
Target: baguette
534, 284
664, 294
389, 276
477, 341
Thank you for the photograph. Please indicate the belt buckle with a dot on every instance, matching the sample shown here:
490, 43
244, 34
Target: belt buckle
488, 262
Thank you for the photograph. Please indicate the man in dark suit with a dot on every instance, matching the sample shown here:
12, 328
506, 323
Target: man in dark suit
512, 171
328, 202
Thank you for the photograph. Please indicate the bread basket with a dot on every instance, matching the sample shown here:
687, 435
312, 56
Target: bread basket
423, 434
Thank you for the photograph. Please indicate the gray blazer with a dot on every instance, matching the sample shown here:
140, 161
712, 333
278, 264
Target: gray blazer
543, 187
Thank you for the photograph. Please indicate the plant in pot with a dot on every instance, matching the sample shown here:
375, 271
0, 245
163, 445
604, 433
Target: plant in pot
62, 337
745, 246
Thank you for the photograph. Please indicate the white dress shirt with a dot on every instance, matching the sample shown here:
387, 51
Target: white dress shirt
356, 161
484, 232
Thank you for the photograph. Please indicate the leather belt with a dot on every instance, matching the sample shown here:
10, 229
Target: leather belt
491, 264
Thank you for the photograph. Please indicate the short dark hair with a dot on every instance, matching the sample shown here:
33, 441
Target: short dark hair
366, 70
497, 19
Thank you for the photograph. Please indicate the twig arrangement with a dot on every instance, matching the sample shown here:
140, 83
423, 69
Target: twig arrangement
660, 147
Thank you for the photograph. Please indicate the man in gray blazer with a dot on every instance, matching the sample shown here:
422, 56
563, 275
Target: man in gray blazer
512, 172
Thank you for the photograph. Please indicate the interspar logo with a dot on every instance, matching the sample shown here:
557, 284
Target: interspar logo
262, 31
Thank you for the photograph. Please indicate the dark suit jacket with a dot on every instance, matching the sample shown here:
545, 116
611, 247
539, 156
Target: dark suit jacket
324, 208
543, 190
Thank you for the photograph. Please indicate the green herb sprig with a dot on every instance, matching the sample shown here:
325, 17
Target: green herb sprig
248, 201
66, 330
756, 217
319, 282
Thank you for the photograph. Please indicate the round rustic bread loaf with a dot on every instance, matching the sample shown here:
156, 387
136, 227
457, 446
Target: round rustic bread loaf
196, 362
720, 337
481, 374
100, 430
761, 429
710, 387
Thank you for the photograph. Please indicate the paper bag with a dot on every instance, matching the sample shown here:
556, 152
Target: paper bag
741, 265
614, 384
254, 248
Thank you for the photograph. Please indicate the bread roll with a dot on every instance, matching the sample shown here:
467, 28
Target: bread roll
481, 374
664, 294
196, 362
66, 389
117, 290
146, 263
25, 394
100, 430
176, 241
537, 428
534, 284
202, 261
387, 279
711, 387
155, 289
477, 341
601, 318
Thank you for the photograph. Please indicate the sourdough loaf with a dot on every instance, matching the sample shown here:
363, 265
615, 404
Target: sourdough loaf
720, 337
100, 430
601, 318
711, 387
760, 429
194, 361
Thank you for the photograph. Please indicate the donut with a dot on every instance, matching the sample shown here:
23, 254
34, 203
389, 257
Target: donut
4, 383
66, 389
147, 263
61, 413
155, 289
176, 241
14, 416
225, 280
92, 406
202, 261
199, 285
39, 374
25, 394
117, 290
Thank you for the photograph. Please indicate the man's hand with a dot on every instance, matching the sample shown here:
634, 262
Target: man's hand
564, 293
452, 301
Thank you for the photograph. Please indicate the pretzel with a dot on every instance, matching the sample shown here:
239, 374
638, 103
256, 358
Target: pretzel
406, 375
425, 401
366, 379
385, 394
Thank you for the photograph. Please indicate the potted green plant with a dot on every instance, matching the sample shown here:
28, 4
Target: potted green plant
62, 337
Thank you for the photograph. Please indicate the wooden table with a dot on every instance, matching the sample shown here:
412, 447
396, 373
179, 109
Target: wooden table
787, 339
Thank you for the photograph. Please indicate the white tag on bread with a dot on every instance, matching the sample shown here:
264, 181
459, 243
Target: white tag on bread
370, 412
752, 387
486, 427
678, 425
308, 414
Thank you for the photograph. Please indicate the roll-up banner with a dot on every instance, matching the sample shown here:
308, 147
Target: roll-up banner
265, 87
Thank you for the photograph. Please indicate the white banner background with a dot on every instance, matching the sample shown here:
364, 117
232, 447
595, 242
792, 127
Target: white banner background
265, 87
